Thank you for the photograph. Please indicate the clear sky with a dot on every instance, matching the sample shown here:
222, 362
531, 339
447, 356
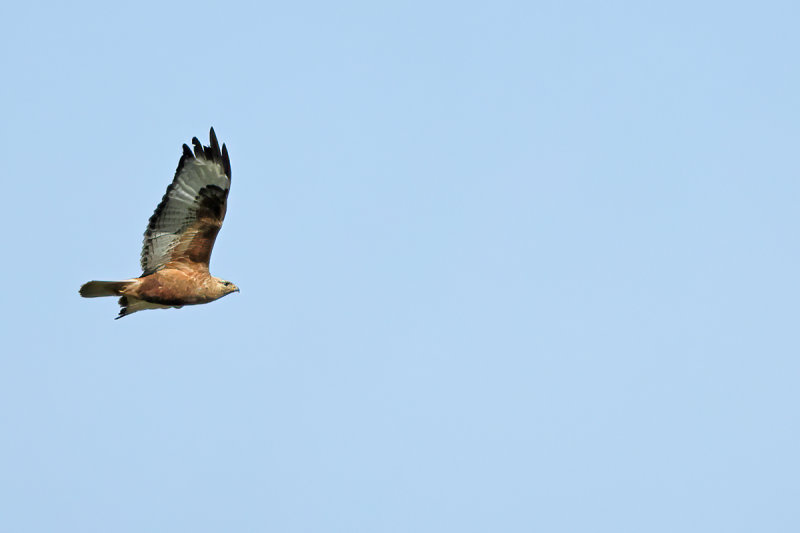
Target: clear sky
504, 267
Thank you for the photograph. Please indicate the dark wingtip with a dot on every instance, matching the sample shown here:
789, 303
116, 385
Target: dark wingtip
215, 147
226, 161
209, 153
123, 303
198, 148
214, 143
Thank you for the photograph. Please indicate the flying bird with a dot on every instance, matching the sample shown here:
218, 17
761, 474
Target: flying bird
179, 238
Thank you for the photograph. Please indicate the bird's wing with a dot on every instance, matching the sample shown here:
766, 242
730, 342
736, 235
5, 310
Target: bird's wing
185, 224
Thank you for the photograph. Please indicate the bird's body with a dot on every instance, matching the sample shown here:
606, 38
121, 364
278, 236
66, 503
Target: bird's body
179, 238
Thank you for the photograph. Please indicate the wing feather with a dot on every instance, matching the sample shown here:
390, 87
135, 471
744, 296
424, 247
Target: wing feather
185, 224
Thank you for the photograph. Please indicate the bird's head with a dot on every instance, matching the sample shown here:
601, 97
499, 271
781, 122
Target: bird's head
227, 287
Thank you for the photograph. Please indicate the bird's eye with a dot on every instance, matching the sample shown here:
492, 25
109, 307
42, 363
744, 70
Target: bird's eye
227, 283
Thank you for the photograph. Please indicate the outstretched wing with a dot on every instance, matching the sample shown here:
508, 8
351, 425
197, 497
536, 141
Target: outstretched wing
185, 224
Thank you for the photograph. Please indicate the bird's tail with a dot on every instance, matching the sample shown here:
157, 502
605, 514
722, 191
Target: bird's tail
96, 289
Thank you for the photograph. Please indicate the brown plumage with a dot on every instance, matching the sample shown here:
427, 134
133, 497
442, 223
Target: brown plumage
179, 238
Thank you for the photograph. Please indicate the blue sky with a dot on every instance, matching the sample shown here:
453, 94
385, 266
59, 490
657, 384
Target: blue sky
504, 267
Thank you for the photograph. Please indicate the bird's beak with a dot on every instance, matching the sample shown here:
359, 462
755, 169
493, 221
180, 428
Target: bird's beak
236, 289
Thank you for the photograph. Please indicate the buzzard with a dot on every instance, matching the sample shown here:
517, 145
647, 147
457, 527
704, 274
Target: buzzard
179, 238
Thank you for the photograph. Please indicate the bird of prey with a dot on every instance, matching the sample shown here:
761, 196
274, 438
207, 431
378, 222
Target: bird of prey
179, 238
